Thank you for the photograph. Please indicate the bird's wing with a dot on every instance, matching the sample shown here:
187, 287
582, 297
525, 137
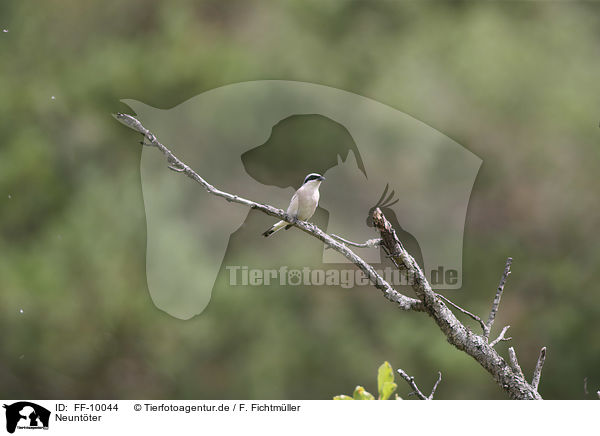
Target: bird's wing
293, 207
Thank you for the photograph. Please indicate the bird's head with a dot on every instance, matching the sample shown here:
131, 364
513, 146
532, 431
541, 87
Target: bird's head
313, 178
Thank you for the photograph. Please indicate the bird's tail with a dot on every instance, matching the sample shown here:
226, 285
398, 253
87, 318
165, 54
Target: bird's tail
276, 227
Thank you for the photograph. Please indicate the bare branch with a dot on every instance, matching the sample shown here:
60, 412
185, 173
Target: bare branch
435, 385
497, 298
176, 169
404, 302
131, 122
509, 377
501, 337
514, 363
537, 372
585, 389
466, 312
411, 382
390, 256
371, 243
476, 346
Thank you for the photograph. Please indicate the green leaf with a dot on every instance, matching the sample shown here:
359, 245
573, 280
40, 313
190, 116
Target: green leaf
361, 394
388, 390
385, 381
342, 397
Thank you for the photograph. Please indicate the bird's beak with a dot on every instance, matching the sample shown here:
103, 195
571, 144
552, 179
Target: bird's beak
321, 178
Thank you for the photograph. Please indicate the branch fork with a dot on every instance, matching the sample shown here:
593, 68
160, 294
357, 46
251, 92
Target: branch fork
411, 382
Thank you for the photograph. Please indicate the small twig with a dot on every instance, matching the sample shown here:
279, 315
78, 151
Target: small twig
466, 312
371, 243
585, 389
411, 382
501, 337
514, 363
537, 373
435, 386
497, 298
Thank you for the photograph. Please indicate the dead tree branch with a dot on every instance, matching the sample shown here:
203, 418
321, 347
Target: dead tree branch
435, 386
371, 243
404, 302
411, 382
501, 337
466, 312
537, 372
456, 333
509, 377
514, 363
488, 325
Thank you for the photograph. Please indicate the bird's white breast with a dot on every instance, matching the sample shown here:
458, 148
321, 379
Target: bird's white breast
308, 200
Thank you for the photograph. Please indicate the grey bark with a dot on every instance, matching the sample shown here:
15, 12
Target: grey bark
456, 333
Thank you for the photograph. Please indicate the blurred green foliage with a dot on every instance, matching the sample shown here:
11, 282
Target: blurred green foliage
514, 82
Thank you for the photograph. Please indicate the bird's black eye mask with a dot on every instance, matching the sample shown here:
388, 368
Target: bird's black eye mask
312, 177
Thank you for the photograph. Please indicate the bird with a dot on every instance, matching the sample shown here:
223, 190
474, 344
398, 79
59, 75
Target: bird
303, 204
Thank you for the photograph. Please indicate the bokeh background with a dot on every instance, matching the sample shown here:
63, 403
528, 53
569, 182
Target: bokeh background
514, 82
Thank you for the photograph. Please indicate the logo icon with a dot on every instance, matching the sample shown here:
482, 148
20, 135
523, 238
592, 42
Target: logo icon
26, 415
258, 140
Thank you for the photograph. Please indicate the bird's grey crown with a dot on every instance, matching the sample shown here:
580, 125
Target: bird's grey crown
312, 176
